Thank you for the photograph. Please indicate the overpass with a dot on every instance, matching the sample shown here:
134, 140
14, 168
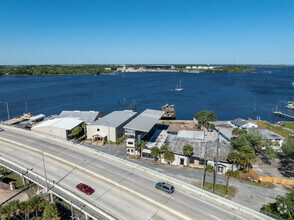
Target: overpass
123, 190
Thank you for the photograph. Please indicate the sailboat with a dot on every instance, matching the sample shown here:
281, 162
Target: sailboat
179, 88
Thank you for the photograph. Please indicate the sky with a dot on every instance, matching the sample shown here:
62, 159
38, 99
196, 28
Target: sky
146, 32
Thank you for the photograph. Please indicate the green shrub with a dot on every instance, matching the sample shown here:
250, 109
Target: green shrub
209, 168
233, 173
244, 171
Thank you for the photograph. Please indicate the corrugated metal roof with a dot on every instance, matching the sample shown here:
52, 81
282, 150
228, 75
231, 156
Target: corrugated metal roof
36, 117
267, 133
145, 121
115, 119
85, 116
65, 123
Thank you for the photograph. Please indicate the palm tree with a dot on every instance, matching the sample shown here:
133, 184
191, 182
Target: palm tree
140, 147
155, 152
249, 154
233, 158
169, 156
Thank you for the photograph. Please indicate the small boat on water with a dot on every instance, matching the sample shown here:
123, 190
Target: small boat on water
290, 105
179, 88
169, 112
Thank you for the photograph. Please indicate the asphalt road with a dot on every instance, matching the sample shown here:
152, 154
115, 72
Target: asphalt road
114, 200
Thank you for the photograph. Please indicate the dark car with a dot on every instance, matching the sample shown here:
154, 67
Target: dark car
1, 129
85, 188
165, 187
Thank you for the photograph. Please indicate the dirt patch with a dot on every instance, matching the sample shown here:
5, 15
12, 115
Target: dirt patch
180, 125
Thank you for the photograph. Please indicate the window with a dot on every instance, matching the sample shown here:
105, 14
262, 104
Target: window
132, 150
130, 143
98, 129
128, 150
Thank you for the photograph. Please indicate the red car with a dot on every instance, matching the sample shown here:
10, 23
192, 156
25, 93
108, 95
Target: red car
85, 188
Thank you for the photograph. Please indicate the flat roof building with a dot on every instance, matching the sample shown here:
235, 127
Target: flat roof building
86, 116
110, 125
138, 128
60, 127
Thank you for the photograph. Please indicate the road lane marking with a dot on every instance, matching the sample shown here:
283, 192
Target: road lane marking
103, 181
215, 217
113, 198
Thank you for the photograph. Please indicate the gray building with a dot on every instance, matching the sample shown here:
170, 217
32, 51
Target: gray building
110, 126
86, 116
138, 128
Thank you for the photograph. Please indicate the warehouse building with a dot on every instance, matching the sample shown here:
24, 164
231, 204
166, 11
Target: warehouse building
59, 127
109, 127
137, 129
86, 116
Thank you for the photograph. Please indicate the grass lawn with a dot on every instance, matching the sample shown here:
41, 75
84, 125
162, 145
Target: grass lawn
13, 177
289, 125
219, 189
275, 128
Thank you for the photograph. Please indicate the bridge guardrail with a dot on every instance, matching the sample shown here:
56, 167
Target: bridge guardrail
207, 196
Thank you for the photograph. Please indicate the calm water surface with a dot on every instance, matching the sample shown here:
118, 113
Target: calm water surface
230, 95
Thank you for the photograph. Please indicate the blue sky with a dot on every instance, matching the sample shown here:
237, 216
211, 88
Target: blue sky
143, 31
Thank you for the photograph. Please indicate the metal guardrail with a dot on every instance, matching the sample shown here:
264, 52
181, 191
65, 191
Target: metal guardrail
78, 205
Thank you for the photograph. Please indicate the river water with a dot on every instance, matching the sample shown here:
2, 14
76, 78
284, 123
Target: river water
230, 95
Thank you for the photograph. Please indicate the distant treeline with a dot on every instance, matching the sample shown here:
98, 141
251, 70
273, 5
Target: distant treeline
53, 70
220, 69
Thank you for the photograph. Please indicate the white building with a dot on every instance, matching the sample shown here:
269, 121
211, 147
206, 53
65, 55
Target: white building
243, 124
86, 116
110, 126
59, 128
188, 67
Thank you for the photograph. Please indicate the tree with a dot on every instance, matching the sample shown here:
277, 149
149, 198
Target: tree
288, 151
283, 207
169, 156
239, 142
188, 150
155, 152
51, 211
233, 158
236, 132
140, 147
76, 131
249, 155
204, 117
163, 149
269, 152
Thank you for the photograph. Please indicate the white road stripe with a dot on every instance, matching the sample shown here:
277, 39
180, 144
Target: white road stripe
113, 198
215, 217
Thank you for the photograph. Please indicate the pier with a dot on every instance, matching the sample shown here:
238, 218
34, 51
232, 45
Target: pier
284, 115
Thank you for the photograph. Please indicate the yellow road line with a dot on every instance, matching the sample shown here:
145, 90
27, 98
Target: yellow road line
62, 163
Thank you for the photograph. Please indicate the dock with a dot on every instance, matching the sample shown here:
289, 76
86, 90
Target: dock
284, 115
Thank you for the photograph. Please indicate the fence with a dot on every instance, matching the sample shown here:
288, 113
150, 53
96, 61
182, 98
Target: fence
268, 179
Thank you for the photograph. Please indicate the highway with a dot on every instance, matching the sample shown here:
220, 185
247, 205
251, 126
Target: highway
112, 199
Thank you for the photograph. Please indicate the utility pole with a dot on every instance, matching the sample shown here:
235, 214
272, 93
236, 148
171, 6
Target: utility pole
204, 167
45, 171
38, 185
216, 163
8, 116
71, 209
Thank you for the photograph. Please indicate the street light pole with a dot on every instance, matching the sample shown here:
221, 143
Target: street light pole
45, 171
216, 163
204, 167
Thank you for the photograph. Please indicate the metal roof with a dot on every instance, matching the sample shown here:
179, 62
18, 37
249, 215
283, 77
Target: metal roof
115, 118
65, 123
145, 121
37, 117
267, 133
85, 116
239, 122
